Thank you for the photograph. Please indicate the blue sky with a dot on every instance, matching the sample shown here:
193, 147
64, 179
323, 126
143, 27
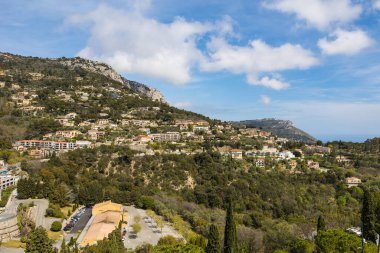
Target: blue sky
315, 62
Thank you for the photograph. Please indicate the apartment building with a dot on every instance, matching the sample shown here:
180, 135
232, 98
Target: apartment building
55, 145
7, 180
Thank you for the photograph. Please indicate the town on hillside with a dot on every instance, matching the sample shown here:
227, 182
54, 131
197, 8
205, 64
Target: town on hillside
87, 162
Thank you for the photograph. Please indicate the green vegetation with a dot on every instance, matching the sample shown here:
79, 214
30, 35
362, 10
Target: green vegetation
276, 208
38, 241
56, 226
213, 243
321, 225
230, 237
5, 195
54, 211
136, 228
112, 243
334, 241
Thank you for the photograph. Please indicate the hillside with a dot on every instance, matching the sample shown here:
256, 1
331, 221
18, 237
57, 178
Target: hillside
34, 88
281, 128
84, 134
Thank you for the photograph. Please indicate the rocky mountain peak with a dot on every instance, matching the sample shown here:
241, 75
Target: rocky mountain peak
108, 71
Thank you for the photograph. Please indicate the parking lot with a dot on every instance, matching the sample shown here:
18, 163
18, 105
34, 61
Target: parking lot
149, 232
79, 220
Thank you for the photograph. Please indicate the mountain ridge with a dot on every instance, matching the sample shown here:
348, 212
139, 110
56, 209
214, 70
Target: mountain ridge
281, 128
108, 71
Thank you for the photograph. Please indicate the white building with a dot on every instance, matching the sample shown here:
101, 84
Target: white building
286, 155
7, 180
55, 145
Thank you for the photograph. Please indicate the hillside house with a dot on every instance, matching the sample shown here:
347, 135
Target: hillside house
286, 155
95, 134
67, 134
169, 137
36, 76
236, 153
342, 159
313, 165
260, 162
352, 181
292, 164
251, 132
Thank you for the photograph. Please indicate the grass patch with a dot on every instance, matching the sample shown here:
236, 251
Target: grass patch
65, 210
13, 244
55, 236
5, 195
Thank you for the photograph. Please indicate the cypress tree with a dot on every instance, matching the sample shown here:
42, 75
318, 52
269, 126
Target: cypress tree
230, 239
368, 217
213, 244
63, 246
321, 225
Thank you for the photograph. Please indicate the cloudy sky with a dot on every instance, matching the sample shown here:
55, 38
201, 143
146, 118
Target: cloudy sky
315, 62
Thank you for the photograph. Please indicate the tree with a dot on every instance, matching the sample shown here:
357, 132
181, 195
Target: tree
63, 246
321, 225
38, 242
230, 238
369, 217
136, 228
56, 226
167, 240
213, 244
76, 249
336, 241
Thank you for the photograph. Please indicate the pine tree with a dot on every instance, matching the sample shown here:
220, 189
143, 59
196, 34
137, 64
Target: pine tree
213, 244
230, 240
369, 217
321, 225
38, 241
63, 246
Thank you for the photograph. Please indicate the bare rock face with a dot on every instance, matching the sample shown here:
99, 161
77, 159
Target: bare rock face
108, 71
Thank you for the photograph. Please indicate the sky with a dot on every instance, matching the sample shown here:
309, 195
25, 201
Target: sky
315, 62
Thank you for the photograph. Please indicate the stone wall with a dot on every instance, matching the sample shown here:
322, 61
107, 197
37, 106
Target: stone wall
8, 227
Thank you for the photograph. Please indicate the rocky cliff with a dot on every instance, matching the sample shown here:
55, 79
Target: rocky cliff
108, 71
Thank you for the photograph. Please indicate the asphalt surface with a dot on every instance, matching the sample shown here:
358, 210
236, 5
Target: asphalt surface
148, 233
81, 223
10, 250
38, 213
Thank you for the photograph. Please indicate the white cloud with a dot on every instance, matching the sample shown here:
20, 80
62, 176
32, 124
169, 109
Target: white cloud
318, 13
183, 104
133, 43
265, 99
257, 58
345, 42
268, 82
376, 4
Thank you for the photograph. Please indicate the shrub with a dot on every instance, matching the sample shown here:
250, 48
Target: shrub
136, 228
56, 226
54, 211
167, 240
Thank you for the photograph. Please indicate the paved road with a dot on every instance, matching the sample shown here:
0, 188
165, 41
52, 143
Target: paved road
148, 234
81, 223
10, 250
39, 210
